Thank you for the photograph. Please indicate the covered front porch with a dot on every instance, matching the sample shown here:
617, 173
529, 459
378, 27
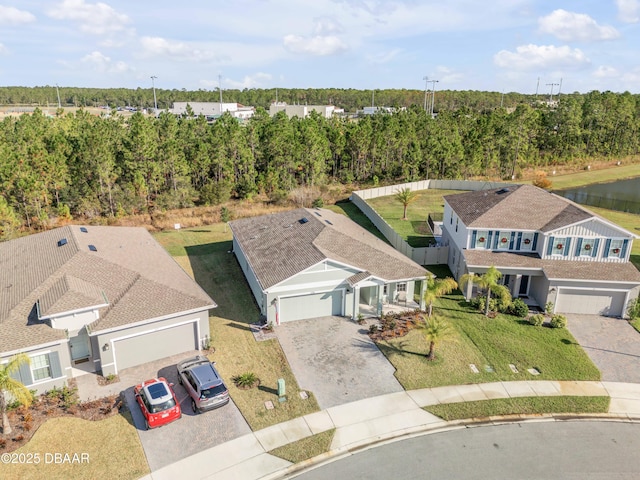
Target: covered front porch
374, 298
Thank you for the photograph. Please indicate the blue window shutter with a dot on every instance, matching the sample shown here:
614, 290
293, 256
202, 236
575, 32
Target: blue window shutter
54, 363
550, 246
567, 246
513, 236
24, 374
623, 251
607, 244
535, 241
578, 247
496, 239
473, 239
594, 250
519, 242
489, 237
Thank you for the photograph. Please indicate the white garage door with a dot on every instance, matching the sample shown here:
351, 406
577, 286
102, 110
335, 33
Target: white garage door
311, 306
154, 345
590, 302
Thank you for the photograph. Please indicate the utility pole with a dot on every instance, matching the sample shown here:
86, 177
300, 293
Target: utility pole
155, 101
426, 85
220, 90
537, 86
433, 93
58, 92
373, 96
559, 88
551, 93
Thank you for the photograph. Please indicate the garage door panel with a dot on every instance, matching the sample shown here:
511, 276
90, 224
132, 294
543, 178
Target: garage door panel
590, 302
311, 306
154, 345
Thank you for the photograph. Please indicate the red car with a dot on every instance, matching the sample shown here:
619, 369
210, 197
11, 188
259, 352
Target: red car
158, 402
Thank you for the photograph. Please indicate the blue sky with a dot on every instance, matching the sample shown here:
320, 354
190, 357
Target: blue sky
498, 45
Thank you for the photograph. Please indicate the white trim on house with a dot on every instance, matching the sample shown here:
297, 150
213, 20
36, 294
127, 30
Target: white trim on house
35, 348
152, 320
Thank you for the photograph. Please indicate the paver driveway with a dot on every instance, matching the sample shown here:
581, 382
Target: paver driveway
334, 358
611, 343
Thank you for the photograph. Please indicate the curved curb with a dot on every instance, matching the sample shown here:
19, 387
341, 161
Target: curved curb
441, 427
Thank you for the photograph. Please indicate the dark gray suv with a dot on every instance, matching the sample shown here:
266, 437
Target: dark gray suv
203, 383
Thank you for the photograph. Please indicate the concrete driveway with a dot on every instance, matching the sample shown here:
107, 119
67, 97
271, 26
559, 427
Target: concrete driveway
182, 438
334, 358
611, 343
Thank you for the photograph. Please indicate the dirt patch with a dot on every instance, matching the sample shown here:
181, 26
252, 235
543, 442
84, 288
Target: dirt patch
61, 402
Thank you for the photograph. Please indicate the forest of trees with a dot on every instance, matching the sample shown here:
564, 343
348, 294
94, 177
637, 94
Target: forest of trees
82, 165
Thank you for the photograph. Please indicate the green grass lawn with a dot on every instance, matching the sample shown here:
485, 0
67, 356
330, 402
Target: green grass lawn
482, 341
346, 207
520, 405
204, 253
309, 447
572, 180
415, 229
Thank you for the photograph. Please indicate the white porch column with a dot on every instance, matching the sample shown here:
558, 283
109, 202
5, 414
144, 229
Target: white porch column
423, 305
356, 302
469, 289
516, 286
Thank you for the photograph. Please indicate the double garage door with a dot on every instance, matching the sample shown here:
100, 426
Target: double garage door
311, 306
155, 344
590, 302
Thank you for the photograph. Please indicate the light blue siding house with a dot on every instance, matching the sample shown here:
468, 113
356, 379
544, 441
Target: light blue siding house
310, 263
549, 249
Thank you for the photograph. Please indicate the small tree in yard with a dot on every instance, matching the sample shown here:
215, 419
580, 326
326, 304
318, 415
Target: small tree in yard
405, 196
13, 387
435, 330
489, 282
437, 287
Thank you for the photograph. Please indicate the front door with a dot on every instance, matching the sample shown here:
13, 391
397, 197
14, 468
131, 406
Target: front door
524, 286
79, 345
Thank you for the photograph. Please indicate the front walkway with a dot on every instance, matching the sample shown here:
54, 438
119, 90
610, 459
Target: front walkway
375, 420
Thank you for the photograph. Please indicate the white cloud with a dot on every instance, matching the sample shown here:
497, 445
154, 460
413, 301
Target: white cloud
326, 26
541, 57
182, 51
256, 80
101, 63
318, 45
605, 71
3, 49
95, 18
13, 16
380, 58
570, 26
447, 75
629, 10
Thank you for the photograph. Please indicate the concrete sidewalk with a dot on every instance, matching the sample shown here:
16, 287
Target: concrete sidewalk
373, 420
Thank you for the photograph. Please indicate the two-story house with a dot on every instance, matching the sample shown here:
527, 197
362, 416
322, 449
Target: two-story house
547, 248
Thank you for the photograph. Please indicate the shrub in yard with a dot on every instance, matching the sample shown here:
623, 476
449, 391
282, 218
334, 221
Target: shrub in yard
373, 328
558, 321
246, 380
536, 320
548, 308
518, 308
318, 203
478, 303
633, 310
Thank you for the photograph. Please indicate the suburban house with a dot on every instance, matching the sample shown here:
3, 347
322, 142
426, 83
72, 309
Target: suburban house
301, 111
309, 263
548, 249
94, 299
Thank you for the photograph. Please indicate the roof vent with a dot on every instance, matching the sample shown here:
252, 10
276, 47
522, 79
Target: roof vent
502, 190
83, 229
303, 220
62, 241
328, 222
93, 248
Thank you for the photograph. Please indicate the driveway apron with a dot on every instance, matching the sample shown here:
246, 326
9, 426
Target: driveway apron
334, 358
611, 343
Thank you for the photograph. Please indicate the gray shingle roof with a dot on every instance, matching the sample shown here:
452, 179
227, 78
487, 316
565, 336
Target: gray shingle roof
278, 246
556, 269
137, 276
520, 207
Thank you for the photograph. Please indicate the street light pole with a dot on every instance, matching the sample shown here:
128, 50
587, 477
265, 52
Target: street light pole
58, 92
426, 85
155, 101
551, 93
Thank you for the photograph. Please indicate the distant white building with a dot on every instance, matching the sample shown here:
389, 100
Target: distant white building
213, 109
374, 110
301, 111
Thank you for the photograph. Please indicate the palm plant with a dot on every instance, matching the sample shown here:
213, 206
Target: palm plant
437, 287
406, 196
13, 387
435, 330
488, 282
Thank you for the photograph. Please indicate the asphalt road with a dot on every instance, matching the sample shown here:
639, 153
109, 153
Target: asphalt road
574, 450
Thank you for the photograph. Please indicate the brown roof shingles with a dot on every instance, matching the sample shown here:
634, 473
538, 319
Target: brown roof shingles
278, 246
126, 263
